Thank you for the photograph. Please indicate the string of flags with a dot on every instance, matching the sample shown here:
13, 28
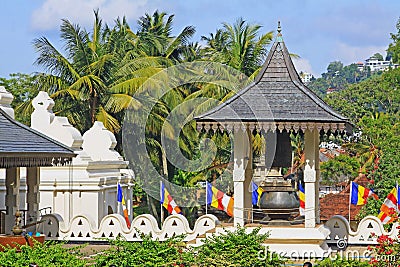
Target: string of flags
220, 200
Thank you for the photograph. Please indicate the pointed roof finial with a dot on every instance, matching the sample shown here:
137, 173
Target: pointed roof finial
279, 35
279, 28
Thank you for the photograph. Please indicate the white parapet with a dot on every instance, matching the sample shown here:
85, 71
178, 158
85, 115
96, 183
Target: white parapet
367, 231
82, 228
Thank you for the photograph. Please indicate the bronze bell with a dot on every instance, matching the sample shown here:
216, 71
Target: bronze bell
279, 200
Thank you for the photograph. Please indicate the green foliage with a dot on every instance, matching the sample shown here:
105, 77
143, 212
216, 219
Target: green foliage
236, 248
48, 254
23, 88
378, 94
339, 169
238, 45
342, 262
171, 252
338, 77
394, 48
378, 56
374, 105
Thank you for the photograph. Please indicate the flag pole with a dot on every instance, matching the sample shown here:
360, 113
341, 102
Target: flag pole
397, 204
118, 204
350, 187
206, 196
161, 204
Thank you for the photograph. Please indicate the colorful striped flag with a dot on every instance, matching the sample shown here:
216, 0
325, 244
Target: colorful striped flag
302, 197
121, 199
219, 199
168, 202
257, 192
390, 206
359, 194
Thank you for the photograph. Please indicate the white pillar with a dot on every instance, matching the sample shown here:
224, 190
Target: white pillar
12, 191
129, 202
241, 175
311, 177
32, 195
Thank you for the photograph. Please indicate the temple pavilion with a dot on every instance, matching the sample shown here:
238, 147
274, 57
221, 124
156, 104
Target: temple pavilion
275, 102
21, 146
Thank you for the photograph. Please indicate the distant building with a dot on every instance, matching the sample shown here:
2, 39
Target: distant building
360, 66
330, 90
305, 77
375, 64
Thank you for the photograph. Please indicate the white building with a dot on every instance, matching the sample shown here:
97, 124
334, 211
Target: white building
379, 65
305, 77
88, 186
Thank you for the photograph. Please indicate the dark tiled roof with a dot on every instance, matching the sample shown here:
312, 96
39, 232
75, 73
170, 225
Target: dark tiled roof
277, 94
21, 146
338, 204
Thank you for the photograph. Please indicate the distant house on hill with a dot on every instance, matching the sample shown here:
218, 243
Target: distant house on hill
375, 64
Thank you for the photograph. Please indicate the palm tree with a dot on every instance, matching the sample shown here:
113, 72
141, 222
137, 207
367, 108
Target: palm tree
239, 46
155, 30
98, 75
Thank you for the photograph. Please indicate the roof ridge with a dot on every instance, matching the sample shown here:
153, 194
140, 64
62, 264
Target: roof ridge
296, 78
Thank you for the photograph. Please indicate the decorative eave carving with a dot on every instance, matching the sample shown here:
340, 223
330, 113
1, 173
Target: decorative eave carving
270, 126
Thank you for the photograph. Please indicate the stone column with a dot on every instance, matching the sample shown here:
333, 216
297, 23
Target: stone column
311, 177
241, 173
12, 198
32, 195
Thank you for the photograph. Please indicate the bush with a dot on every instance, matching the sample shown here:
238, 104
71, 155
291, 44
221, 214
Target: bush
48, 254
386, 252
236, 248
341, 262
231, 249
171, 252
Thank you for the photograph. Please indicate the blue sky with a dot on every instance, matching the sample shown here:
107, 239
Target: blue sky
320, 31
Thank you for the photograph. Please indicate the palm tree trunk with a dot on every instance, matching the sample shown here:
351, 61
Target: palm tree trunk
93, 105
164, 163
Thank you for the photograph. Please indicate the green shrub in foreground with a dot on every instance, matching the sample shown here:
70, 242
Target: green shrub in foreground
48, 254
341, 262
236, 248
149, 252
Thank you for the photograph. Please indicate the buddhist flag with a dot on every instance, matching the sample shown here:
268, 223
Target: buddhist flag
257, 192
168, 202
302, 197
121, 199
219, 199
359, 194
390, 206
